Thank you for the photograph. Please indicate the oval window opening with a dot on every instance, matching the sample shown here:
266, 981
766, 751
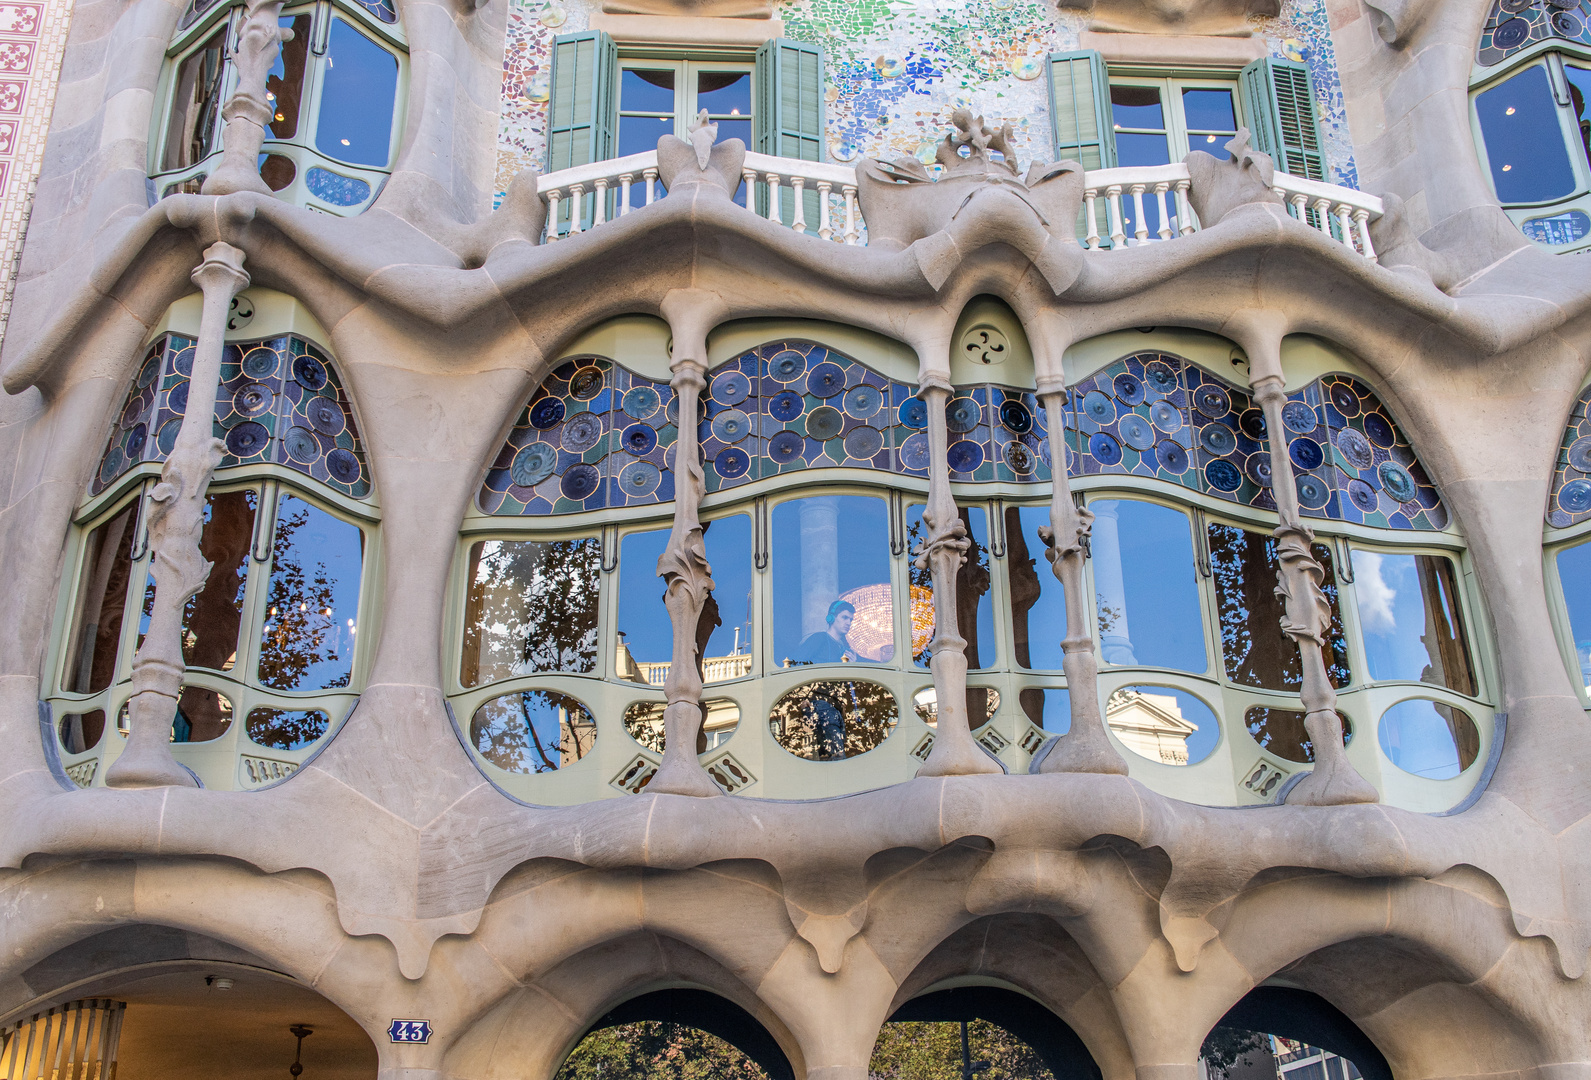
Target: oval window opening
81, 732
1050, 709
202, 716
533, 731
644, 721
1282, 732
286, 729
982, 703
829, 721
1429, 738
1162, 724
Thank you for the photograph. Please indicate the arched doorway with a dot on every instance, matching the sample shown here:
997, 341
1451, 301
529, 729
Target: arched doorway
1285, 1033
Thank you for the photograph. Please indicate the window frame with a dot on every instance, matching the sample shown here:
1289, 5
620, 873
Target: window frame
685, 91
1171, 87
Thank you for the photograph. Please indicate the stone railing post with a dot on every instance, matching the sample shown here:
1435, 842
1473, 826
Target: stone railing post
1085, 748
176, 525
1307, 613
248, 111
943, 550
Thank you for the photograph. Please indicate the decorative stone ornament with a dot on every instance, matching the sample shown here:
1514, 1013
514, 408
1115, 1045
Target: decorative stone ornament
701, 161
259, 41
176, 522
1221, 185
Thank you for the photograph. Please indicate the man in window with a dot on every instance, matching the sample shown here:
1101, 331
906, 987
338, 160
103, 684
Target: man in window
830, 646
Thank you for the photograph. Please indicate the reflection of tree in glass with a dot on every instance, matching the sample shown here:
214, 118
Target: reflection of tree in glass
1282, 732
1244, 565
212, 617
286, 729
931, 1050
644, 721
656, 1050
827, 721
532, 606
972, 582
1225, 1047
300, 623
533, 731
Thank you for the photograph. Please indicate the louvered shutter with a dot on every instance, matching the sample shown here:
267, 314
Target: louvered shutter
1279, 99
1080, 109
789, 115
583, 110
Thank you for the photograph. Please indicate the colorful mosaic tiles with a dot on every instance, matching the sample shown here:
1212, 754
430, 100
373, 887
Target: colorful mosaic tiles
1517, 24
280, 401
1158, 416
1570, 503
594, 435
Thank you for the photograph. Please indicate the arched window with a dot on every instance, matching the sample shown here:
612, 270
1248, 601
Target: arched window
815, 641
1568, 552
271, 642
1532, 119
337, 89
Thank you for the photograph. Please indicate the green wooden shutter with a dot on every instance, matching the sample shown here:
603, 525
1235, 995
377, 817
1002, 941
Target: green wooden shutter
1080, 109
789, 115
583, 113
1279, 98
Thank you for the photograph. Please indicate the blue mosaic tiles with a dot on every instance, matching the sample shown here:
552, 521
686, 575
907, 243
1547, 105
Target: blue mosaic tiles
1570, 502
1513, 25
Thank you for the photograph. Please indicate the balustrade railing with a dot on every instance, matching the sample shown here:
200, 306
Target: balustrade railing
1122, 207
714, 669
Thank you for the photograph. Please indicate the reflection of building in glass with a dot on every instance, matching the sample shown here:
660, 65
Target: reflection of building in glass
1151, 725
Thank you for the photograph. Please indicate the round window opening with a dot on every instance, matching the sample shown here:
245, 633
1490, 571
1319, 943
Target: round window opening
644, 722
1429, 738
832, 720
202, 716
533, 731
1282, 732
1162, 724
982, 703
285, 729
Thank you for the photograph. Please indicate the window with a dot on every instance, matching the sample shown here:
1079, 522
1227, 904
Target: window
336, 93
608, 104
1534, 137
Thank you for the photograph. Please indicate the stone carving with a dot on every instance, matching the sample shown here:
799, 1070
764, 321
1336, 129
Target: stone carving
1400, 249
1173, 16
943, 550
1085, 747
1222, 185
1397, 20
247, 111
176, 523
703, 160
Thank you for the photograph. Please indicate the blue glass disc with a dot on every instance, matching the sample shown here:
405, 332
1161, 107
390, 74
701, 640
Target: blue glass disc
247, 439
1298, 417
1016, 416
1173, 457
580, 481
1223, 475
1363, 496
1129, 388
1306, 453
546, 412
731, 388
732, 463
786, 446
1379, 430
786, 405
638, 439
1396, 481
1575, 497
1217, 439
826, 380
964, 456
1104, 449
914, 413
641, 401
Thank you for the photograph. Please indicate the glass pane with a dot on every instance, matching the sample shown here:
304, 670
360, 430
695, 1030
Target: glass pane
533, 731
531, 606
1574, 574
1282, 732
1136, 107
202, 715
637, 135
832, 600
1410, 618
1050, 709
724, 93
1038, 605
1137, 148
1146, 587
735, 129
1579, 94
647, 90
827, 721
286, 729
1519, 123
1257, 653
645, 634
284, 85
107, 568
982, 703
358, 95
644, 721
312, 601
211, 620
81, 732
196, 99
1208, 110
974, 603
1429, 738
1163, 724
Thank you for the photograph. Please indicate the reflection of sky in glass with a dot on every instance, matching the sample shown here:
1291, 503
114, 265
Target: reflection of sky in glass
1417, 739
973, 574
1039, 627
1519, 123
357, 96
825, 547
1050, 709
1574, 572
643, 617
312, 599
533, 731
1391, 614
1146, 586
724, 92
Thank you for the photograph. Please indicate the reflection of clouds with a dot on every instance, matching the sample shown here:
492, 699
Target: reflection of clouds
1376, 596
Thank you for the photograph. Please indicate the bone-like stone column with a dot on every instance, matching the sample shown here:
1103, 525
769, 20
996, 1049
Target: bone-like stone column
1307, 613
683, 565
176, 524
248, 110
1085, 748
943, 550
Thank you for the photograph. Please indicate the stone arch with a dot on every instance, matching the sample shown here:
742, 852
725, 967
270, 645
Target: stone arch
1300, 1014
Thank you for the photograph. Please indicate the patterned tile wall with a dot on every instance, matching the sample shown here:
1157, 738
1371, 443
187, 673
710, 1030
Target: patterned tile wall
897, 69
32, 41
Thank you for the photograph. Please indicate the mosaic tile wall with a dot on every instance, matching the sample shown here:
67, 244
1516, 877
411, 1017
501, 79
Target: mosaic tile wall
1518, 24
32, 42
1570, 503
280, 401
897, 69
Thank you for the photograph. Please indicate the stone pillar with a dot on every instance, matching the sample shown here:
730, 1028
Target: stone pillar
943, 550
1086, 747
176, 524
820, 557
1307, 613
1110, 587
248, 111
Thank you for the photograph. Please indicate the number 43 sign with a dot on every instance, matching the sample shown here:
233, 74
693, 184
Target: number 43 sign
409, 1031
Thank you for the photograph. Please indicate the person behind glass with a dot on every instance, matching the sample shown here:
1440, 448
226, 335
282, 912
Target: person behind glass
829, 646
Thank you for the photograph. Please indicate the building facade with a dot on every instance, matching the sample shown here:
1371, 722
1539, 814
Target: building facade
783, 515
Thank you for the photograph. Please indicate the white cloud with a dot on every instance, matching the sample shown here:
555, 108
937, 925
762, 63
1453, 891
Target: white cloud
1376, 597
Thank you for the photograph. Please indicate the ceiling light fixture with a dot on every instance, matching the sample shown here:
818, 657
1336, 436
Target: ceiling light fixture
302, 1031
218, 982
